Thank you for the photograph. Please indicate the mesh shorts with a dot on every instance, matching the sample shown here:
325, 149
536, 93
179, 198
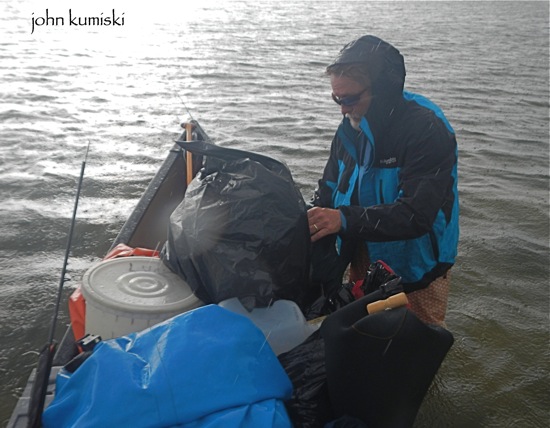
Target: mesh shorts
430, 303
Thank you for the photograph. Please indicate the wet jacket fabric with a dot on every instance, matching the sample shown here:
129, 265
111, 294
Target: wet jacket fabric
395, 183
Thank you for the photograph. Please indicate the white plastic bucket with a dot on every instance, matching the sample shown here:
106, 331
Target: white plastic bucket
129, 294
282, 323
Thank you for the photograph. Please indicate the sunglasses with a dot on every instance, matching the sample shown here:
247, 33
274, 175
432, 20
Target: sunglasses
351, 100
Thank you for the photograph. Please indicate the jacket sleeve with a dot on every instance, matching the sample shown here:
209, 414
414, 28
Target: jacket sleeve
425, 187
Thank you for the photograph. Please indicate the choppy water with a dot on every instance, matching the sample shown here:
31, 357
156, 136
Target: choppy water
252, 74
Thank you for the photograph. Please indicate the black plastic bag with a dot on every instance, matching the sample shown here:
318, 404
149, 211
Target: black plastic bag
241, 230
309, 406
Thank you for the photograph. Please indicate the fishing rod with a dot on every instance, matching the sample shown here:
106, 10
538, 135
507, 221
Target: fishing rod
45, 358
188, 112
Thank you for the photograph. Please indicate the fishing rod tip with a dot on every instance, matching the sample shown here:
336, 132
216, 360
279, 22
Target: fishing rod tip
87, 150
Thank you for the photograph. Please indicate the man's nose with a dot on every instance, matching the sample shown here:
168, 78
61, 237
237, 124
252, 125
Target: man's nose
346, 109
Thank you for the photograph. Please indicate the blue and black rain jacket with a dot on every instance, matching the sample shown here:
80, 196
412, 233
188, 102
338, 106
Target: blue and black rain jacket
395, 184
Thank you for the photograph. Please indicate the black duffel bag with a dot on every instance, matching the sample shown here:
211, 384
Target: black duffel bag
379, 366
241, 230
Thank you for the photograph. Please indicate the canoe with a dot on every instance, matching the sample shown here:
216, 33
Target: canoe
368, 355
144, 228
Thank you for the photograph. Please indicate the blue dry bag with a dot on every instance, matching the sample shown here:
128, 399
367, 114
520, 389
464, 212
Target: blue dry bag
205, 368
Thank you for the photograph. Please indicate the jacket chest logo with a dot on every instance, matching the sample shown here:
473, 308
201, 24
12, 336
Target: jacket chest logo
388, 162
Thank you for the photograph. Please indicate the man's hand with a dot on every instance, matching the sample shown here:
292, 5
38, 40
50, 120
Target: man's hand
323, 222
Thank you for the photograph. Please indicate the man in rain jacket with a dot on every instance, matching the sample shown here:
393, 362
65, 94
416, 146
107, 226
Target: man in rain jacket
389, 188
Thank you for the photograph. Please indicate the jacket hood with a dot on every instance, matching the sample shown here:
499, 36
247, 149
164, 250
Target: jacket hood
384, 62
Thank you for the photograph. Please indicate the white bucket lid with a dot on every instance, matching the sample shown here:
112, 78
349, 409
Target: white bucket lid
137, 285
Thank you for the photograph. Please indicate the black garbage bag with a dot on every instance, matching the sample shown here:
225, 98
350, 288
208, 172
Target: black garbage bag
309, 406
380, 366
326, 273
241, 230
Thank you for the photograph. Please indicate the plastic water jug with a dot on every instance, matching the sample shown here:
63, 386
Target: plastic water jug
282, 323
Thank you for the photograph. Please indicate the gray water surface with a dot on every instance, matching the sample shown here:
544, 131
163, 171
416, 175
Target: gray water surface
252, 74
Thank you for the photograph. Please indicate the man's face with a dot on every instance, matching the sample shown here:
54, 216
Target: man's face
354, 97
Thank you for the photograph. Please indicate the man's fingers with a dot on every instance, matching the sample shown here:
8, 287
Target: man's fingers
319, 234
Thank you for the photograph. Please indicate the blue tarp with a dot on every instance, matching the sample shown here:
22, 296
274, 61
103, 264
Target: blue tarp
206, 368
